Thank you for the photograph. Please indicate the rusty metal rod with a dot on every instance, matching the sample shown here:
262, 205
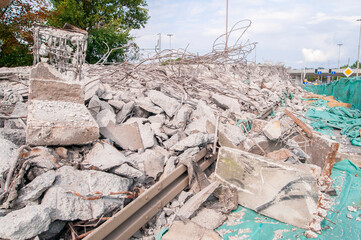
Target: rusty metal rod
303, 125
131, 218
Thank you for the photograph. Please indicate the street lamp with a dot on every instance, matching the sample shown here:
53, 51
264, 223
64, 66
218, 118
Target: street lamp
339, 54
358, 55
159, 44
170, 41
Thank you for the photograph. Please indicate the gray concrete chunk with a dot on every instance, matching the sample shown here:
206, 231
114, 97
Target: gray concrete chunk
226, 103
104, 117
25, 223
104, 156
273, 130
116, 104
60, 123
127, 136
8, 149
209, 218
124, 112
35, 188
66, 205
194, 140
168, 104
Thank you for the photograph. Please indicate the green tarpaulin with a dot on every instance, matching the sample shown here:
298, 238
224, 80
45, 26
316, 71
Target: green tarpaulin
346, 90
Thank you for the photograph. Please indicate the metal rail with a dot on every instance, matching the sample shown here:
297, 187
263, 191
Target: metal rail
131, 218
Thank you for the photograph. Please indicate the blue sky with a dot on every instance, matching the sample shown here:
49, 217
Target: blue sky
295, 33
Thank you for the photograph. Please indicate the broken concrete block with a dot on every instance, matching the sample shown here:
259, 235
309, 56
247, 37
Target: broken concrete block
168, 104
159, 118
104, 117
188, 154
250, 145
51, 90
270, 188
171, 141
153, 163
181, 118
94, 106
66, 205
104, 156
280, 155
44, 71
35, 188
228, 135
25, 223
189, 231
116, 104
203, 111
225, 103
46, 83
127, 136
197, 200
148, 105
209, 218
321, 150
59, 123
169, 167
16, 136
158, 130
273, 130
20, 110
194, 140
90, 89
197, 125
8, 150
258, 125
124, 112
106, 92
184, 196
147, 135
105, 105
129, 172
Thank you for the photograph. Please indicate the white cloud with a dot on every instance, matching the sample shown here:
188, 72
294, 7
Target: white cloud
311, 55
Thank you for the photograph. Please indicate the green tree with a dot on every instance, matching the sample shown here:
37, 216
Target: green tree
352, 66
108, 23
16, 37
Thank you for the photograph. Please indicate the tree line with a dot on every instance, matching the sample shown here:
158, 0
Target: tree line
108, 23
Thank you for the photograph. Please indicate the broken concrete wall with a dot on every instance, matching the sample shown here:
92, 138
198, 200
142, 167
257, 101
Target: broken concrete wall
271, 188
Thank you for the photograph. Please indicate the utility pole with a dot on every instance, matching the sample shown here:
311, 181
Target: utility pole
358, 55
170, 41
159, 42
225, 50
339, 53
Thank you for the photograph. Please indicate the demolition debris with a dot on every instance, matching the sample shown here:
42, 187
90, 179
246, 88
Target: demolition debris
181, 140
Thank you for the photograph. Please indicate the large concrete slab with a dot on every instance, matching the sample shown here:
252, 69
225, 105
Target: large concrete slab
286, 192
60, 123
321, 149
46, 83
52, 90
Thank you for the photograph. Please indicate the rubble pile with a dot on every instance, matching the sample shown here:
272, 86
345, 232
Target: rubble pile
56, 171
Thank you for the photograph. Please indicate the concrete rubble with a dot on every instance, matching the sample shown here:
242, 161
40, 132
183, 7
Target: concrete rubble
94, 145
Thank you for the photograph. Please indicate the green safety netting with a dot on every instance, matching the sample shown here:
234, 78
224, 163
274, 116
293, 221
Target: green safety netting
346, 90
325, 119
342, 223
